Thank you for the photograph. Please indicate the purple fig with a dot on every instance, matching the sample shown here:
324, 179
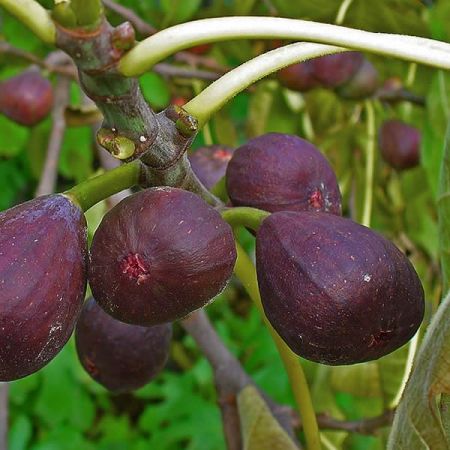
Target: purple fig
119, 356
43, 256
336, 291
299, 77
363, 83
399, 144
159, 255
210, 163
335, 70
26, 98
280, 172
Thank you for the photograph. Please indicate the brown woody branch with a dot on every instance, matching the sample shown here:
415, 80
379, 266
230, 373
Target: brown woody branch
49, 173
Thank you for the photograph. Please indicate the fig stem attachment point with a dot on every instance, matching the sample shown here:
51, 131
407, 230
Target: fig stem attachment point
119, 146
244, 216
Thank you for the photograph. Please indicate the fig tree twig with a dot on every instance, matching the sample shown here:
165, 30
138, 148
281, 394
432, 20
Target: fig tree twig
49, 173
3, 416
230, 378
182, 72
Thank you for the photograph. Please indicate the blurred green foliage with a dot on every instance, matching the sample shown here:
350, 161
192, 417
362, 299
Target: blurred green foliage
62, 408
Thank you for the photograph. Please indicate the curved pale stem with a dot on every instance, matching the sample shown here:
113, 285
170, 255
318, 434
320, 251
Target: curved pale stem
217, 94
34, 16
245, 271
370, 164
161, 45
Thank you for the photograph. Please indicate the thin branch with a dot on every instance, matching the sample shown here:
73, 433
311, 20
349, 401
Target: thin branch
363, 426
230, 378
141, 26
181, 72
61, 68
4, 416
49, 173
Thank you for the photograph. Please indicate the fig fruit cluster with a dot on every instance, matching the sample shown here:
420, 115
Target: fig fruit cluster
335, 291
26, 98
349, 73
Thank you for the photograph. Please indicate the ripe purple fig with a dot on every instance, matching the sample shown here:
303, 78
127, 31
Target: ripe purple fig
210, 163
26, 98
119, 356
159, 255
280, 172
43, 256
363, 83
335, 70
299, 77
336, 291
399, 144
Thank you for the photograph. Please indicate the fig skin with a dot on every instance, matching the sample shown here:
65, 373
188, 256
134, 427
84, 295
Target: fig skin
210, 163
336, 291
43, 257
26, 98
281, 172
159, 255
363, 84
299, 77
335, 70
120, 357
399, 144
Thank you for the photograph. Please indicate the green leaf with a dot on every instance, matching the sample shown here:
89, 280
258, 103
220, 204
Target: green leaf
444, 212
177, 11
20, 433
13, 136
155, 90
259, 429
417, 424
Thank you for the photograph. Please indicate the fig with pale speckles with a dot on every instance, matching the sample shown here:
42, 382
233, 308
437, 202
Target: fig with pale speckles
336, 291
43, 256
159, 255
282, 172
119, 356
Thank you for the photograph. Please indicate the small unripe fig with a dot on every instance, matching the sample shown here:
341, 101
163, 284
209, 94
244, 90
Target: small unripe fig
210, 163
362, 84
43, 256
281, 172
119, 356
159, 255
399, 144
26, 98
335, 70
336, 291
299, 77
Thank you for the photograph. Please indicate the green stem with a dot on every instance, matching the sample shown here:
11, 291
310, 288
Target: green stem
244, 216
245, 271
217, 94
87, 12
370, 164
220, 190
161, 45
90, 192
34, 16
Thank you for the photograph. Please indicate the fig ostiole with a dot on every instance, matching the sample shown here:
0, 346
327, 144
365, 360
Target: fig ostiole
43, 274
336, 291
159, 255
282, 172
119, 356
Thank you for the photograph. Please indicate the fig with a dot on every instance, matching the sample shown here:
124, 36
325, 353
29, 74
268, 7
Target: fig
336, 291
159, 255
119, 356
335, 70
281, 172
299, 77
43, 257
399, 144
363, 84
210, 163
26, 98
